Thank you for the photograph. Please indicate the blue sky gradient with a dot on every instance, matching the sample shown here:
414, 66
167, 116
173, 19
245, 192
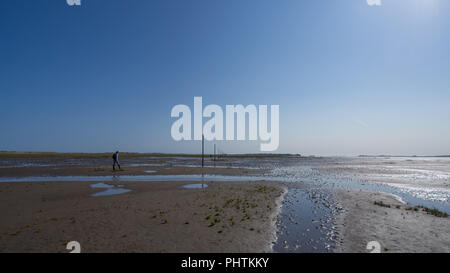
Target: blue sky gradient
349, 78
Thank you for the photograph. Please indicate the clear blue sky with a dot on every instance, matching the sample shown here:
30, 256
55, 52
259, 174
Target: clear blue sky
349, 78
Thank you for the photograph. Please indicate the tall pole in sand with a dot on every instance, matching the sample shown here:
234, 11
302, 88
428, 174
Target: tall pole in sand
203, 150
214, 158
203, 156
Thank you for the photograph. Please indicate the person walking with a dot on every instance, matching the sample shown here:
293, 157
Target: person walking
115, 160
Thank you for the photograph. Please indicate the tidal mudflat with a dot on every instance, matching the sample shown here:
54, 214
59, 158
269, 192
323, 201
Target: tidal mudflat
151, 217
250, 203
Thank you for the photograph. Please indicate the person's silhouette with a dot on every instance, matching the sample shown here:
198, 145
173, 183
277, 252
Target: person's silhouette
116, 160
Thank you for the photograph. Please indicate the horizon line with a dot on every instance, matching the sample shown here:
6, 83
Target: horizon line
130, 153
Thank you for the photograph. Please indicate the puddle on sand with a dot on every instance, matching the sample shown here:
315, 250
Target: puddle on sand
143, 178
195, 186
146, 165
109, 189
216, 166
26, 165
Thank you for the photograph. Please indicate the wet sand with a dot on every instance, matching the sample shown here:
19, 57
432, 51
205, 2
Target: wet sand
126, 170
153, 217
398, 228
164, 217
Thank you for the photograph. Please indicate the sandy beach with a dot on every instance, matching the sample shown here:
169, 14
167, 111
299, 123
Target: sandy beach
398, 227
153, 217
281, 204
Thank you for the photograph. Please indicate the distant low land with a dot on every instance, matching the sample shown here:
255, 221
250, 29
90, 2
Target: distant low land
25, 154
404, 156
19, 154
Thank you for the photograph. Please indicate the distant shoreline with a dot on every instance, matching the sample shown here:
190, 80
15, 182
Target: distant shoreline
14, 154
403, 155
28, 154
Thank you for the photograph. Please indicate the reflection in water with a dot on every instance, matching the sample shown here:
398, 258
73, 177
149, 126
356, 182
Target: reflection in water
316, 178
110, 189
146, 165
140, 178
195, 186
305, 223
